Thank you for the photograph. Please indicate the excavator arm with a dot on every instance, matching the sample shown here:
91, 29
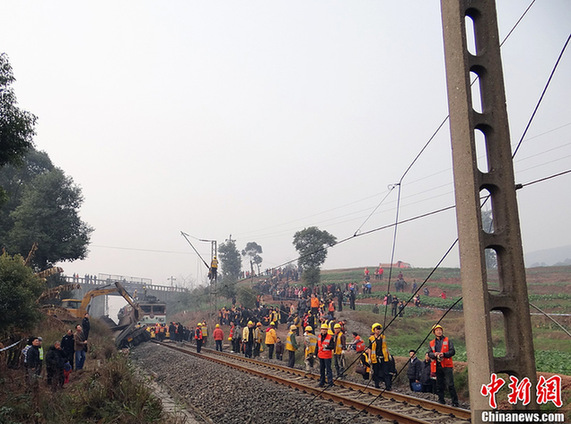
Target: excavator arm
90, 295
136, 308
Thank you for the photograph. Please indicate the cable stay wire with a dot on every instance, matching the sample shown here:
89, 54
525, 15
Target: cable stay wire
552, 319
542, 95
186, 236
517, 23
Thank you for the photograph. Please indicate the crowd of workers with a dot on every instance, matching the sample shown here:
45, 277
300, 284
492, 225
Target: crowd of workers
324, 342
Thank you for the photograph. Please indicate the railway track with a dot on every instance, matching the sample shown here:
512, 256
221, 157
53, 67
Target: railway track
391, 406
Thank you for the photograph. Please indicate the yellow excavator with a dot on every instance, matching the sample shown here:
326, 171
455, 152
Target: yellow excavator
79, 307
127, 333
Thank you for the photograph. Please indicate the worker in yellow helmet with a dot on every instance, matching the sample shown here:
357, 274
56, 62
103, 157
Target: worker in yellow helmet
379, 356
291, 345
271, 339
339, 341
198, 337
248, 338
441, 352
204, 333
258, 338
310, 343
214, 269
218, 336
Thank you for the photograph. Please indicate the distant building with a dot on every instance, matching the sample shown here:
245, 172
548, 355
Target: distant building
399, 264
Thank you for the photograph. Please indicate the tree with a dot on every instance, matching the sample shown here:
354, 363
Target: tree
48, 213
19, 289
253, 250
16, 125
246, 297
311, 244
231, 264
14, 180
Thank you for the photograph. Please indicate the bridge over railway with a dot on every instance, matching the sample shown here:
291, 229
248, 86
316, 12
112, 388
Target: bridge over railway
137, 288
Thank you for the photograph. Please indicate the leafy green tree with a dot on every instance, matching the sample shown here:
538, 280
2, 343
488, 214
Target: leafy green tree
19, 289
16, 125
15, 179
252, 251
231, 264
247, 297
48, 214
311, 243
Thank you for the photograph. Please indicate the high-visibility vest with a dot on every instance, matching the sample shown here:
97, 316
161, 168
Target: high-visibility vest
367, 362
322, 345
258, 335
374, 342
271, 337
359, 344
312, 345
338, 343
315, 302
289, 344
198, 334
446, 362
204, 331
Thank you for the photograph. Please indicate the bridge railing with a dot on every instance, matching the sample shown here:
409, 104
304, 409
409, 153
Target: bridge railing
128, 282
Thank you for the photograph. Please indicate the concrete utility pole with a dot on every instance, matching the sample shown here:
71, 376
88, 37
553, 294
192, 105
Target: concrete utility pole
470, 183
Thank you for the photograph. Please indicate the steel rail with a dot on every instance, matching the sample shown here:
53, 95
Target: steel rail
359, 405
399, 397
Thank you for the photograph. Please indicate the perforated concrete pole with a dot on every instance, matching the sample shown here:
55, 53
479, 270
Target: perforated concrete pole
497, 180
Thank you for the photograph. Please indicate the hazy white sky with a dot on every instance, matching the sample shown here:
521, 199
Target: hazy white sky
258, 118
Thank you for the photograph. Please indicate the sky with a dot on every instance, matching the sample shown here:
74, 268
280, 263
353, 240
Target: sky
254, 120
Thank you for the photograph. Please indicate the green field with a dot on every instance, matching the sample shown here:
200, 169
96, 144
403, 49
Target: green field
549, 290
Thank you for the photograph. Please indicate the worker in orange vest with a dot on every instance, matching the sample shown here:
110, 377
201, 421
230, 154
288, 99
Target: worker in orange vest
218, 336
441, 352
325, 346
198, 337
314, 302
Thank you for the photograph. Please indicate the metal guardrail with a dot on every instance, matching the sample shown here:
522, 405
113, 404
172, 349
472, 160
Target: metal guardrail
139, 285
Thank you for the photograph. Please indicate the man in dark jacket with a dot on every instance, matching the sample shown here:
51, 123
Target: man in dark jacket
33, 363
426, 377
55, 361
414, 371
67, 345
86, 326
